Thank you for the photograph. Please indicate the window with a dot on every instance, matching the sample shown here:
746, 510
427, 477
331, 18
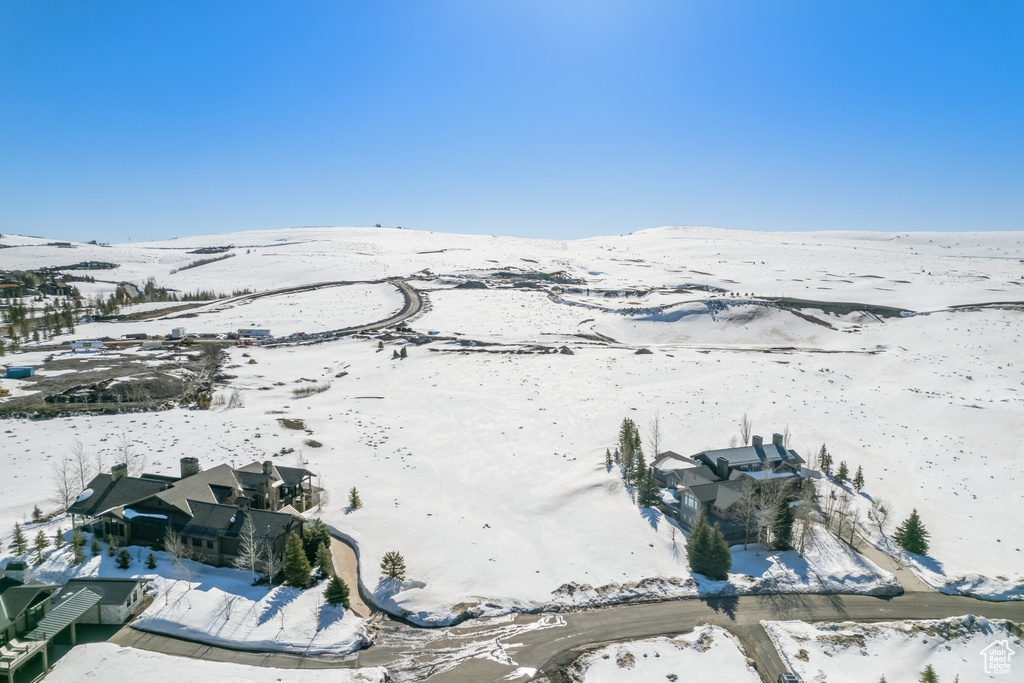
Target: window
209, 544
198, 542
689, 500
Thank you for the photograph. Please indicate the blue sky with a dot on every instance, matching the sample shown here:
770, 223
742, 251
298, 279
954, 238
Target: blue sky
539, 117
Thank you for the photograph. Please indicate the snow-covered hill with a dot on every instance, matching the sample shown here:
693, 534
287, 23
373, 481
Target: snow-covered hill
486, 470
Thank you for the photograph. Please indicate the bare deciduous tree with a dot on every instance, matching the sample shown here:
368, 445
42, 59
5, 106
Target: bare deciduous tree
745, 430
734, 441
80, 465
747, 510
786, 437
270, 562
236, 400
805, 516
126, 456
655, 435
841, 514
180, 552
65, 488
879, 514
853, 520
248, 549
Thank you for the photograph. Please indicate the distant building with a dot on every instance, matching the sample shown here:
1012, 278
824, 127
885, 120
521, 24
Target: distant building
251, 333
208, 508
20, 372
87, 346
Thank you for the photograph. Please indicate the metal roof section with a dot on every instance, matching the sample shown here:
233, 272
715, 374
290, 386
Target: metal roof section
63, 615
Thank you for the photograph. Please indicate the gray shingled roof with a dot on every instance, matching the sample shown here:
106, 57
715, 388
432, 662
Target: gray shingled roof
729, 492
199, 487
753, 455
212, 521
107, 493
693, 476
705, 493
15, 598
111, 591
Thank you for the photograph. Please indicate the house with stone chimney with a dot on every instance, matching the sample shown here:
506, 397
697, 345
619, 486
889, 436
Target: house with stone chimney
208, 508
714, 481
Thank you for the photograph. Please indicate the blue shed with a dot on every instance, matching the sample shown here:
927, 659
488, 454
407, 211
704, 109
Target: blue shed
16, 372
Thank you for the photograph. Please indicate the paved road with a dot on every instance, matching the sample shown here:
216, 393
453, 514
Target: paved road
488, 650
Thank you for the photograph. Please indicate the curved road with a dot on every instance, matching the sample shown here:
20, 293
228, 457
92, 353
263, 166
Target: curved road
488, 650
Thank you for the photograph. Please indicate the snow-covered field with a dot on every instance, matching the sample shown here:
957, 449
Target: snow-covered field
486, 470
708, 653
113, 664
848, 652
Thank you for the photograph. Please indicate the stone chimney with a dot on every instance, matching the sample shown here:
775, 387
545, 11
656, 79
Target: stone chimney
242, 503
756, 441
722, 467
777, 439
16, 571
268, 467
118, 471
189, 466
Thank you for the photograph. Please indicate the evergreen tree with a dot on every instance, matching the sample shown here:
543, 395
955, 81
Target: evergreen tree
640, 465
354, 501
392, 565
58, 539
42, 543
858, 479
18, 544
648, 494
296, 564
843, 472
928, 675
698, 544
825, 460
911, 535
882, 679
719, 557
394, 354
404, 353
782, 525
124, 559
313, 536
111, 545
151, 561
324, 562
617, 456
77, 546
337, 593
95, 547
37, 514
608, 458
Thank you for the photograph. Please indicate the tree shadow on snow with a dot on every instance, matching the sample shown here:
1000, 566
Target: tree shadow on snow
652, 516
277, 602
328, 615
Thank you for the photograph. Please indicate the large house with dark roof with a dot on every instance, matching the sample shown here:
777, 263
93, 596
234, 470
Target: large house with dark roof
714, 481
206, 507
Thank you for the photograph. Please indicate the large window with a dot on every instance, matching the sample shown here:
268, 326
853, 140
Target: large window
689, 500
